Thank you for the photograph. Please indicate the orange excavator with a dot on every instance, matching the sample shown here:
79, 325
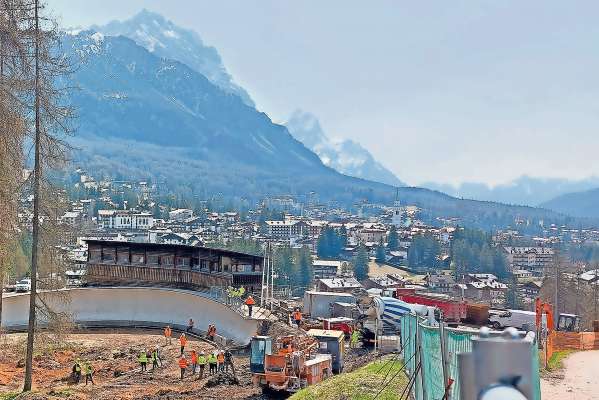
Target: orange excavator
292, 365
565, 322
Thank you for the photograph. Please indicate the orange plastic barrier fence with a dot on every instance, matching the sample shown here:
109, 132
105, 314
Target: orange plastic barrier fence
557, 341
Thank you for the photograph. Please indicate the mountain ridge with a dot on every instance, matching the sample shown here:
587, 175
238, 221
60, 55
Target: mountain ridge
524, 190
345, 156
583, 204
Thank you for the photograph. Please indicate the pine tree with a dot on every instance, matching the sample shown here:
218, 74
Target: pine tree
393, 240
304, 267
380, 253
323, 245
330, 243
361, 263
285, 266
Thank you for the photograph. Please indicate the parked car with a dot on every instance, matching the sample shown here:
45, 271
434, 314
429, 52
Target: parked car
9, 288
24, 285
519, 319
74, 278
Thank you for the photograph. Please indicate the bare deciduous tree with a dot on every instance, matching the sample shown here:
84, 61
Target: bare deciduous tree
31, 49
13, 64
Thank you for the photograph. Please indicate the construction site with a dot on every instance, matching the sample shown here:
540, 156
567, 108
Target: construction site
154, 332
114, 354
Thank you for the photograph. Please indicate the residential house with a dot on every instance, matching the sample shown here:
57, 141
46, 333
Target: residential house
329, 268
441, 283
384, 282
338, 285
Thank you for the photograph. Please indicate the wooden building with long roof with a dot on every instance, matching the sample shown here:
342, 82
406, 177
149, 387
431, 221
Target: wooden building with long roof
112, 263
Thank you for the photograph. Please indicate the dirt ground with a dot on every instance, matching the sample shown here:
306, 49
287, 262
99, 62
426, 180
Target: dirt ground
577, 381
113, 355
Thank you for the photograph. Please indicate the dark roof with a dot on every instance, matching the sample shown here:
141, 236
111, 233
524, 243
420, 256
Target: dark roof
158, 246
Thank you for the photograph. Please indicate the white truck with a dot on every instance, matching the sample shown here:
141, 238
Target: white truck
519, 319
24, 285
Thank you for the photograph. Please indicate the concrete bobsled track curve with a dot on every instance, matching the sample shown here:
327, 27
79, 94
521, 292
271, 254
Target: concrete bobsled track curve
130, 306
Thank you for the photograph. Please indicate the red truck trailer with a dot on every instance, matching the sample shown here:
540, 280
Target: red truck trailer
339, 324
453, 310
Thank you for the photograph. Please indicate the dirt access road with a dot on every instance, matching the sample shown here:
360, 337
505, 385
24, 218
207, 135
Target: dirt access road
579, 381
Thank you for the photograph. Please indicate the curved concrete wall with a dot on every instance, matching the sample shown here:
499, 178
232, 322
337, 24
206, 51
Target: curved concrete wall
128, 305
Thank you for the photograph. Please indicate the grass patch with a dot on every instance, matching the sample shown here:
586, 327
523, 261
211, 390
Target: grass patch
556, 361
65, 392
361, 384
9, 396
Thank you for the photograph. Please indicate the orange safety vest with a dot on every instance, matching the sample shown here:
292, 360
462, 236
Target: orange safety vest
183, 340
194, 357
220, 358
182, 363
250, 301
167, 332
297, 315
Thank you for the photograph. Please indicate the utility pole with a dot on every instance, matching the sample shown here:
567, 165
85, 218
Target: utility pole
267, 273
420, 359
595, 294
263, 272
556, 294
444, 358
272, 279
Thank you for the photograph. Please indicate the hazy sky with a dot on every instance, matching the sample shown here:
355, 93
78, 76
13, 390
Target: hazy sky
445, 91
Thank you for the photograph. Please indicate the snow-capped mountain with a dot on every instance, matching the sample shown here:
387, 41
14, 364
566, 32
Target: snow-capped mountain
165, 39
345, 156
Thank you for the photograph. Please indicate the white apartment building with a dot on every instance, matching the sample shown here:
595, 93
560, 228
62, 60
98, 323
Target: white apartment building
287, 228
125, 219
535, 259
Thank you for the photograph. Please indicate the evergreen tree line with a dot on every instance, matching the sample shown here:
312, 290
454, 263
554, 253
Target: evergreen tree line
472, 252
587, 253
293, 266
423, 252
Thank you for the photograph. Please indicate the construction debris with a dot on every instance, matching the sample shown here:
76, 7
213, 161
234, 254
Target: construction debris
221, 379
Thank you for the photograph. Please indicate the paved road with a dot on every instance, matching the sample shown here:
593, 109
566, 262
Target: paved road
581, 378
